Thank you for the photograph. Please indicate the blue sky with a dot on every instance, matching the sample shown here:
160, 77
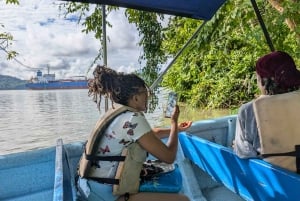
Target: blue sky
43, 37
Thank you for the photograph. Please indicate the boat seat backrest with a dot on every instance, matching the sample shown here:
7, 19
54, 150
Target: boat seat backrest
278, 125
252, 179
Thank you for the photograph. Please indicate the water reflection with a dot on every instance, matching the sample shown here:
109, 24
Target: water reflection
35, 119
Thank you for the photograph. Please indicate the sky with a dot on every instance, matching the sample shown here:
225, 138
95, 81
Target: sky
43, 37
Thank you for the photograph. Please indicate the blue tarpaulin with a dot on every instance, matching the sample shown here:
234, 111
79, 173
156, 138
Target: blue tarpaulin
197, 9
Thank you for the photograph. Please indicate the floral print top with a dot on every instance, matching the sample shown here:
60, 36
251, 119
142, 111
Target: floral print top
125, 129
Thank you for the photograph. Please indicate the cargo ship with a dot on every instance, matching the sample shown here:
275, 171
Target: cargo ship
47, 81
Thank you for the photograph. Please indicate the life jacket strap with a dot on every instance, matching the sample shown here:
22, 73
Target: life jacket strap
104, 158
105, 180
295, 153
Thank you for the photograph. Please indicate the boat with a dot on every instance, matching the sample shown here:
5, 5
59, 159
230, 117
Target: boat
210, 169
47, 81
49, 174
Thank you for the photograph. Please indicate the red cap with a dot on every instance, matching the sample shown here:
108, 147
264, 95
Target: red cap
281, 67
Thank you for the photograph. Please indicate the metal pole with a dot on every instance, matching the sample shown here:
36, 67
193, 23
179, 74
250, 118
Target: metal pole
104, 35
104, 47
263, 26
158, 80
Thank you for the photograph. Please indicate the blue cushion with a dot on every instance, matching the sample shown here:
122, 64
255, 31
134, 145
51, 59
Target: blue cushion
170, 182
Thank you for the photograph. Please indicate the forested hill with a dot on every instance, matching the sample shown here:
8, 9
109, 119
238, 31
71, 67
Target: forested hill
8, 82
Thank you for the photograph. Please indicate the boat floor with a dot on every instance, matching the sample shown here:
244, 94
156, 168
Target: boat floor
197, 185
30, 176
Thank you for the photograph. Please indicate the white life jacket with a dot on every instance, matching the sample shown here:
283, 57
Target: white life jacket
277, 118
127, 178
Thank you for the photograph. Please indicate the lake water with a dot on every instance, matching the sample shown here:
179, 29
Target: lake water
36, 119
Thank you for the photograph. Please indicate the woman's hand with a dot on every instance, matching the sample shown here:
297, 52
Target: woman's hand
175, 114
184, 125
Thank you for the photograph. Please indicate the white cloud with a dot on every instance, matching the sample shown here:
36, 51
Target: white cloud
42, 37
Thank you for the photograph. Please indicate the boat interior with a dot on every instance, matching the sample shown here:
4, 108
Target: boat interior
209, 168
60, 162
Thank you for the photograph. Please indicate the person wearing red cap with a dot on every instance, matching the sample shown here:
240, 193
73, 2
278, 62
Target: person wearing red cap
276, 73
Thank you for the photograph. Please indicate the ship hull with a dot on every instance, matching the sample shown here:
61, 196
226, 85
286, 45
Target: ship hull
82, 84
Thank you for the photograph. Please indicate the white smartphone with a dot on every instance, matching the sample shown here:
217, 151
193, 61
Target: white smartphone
172, 101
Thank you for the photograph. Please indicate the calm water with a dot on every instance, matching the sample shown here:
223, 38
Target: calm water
35, 119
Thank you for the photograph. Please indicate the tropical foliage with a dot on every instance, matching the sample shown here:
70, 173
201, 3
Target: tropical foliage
217, 71
6, 38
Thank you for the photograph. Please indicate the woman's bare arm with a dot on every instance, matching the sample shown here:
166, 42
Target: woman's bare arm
165, 132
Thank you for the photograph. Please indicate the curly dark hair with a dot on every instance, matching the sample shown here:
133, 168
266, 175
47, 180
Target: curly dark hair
118, 87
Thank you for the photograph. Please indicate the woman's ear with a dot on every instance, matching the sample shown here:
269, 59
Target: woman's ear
135, 98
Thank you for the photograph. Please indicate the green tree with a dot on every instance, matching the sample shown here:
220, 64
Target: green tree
290, 11
217, 69
6, 38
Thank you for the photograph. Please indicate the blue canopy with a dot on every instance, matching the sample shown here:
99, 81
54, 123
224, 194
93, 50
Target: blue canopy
197, 9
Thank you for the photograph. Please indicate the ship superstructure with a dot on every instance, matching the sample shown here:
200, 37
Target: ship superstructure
47, 81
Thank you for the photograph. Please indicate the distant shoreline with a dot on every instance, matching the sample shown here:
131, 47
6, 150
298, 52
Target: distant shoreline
12, 83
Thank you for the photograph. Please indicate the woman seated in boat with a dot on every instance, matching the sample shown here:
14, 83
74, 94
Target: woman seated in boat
276, 73
127, 129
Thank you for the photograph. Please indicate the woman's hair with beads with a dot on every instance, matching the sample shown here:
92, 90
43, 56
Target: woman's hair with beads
118, 87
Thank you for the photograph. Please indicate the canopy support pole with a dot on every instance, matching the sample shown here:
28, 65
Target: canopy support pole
262, 24
158, 80
104, 47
